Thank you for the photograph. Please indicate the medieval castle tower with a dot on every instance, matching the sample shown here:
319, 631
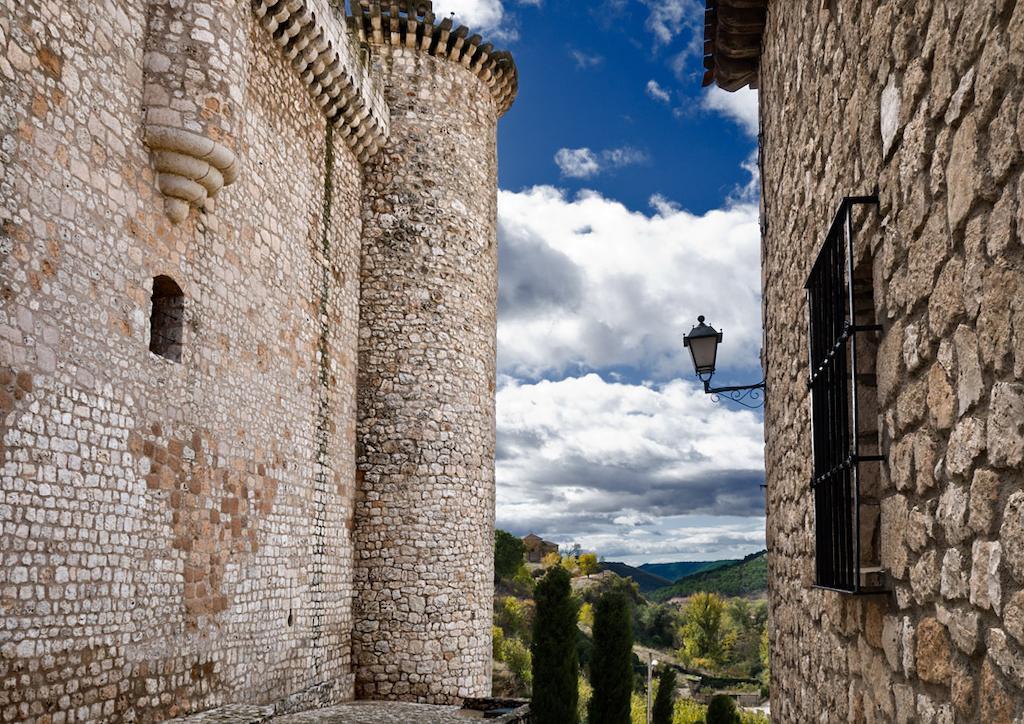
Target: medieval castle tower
247, 354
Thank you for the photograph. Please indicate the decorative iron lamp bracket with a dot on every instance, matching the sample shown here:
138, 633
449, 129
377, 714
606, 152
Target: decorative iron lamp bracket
738, 393
703, 341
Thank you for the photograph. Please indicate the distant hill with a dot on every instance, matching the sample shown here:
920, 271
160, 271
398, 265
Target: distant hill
645, 580
740, 578
681, 569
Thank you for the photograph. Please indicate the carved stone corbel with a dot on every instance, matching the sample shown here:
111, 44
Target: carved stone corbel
195, 77
191, 168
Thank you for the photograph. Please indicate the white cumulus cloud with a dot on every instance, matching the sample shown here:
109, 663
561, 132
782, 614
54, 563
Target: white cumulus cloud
585, 60
585, 163
739, 106
655, 91
587, 284
670, 18
479, 15
610, 465
577, 162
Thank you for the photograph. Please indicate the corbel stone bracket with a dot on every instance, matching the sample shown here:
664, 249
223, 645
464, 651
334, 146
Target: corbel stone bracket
312, 37
195, 76
191, 168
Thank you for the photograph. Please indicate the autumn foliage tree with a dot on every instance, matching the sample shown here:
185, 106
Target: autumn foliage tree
588, 564
551, 559
702, 630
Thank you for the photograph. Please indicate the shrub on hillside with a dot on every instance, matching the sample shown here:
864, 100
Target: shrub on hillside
517, 656
514, 616
687, 711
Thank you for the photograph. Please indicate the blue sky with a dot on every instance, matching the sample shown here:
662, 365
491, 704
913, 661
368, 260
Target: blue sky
627, 206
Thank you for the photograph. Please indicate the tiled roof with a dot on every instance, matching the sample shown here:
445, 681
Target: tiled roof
732, 42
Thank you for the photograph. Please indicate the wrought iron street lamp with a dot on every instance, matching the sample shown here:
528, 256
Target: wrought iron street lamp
651, 663
703, 341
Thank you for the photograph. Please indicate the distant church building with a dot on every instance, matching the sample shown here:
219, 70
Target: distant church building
893, 308
536, 548
247, 355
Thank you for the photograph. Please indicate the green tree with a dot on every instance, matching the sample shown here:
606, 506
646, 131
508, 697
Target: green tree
722, 710
741, 615
766, 672
702, 632
508, 554
637, 709
656, 625
584, 700
517, 656
687, 711
523, 580
661, 711
742, 625
497, 639
514, 616
611, 668
586, 616
588, 564
555, 662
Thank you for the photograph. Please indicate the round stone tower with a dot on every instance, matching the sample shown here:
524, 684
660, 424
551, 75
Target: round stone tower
423, 528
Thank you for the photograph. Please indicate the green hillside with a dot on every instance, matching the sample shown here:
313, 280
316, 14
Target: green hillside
648, 581
681, 569
741, 578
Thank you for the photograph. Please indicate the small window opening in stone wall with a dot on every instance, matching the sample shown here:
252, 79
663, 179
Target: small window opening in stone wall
843, 342
167, 321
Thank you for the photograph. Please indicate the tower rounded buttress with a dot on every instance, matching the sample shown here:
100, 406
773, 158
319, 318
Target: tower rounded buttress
423, 528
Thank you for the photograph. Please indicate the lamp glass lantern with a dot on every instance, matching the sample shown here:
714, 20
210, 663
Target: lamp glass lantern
703, 341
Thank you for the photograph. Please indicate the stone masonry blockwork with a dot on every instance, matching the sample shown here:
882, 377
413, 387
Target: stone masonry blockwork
923, 101
424, 514
183, 533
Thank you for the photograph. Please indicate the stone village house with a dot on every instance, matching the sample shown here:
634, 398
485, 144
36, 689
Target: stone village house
535, 548
247, 355
893, 281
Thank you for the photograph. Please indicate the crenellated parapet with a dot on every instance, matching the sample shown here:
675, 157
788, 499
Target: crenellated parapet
312, 36
411, 24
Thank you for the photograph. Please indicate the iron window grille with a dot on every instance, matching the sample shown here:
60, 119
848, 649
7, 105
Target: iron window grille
839, 449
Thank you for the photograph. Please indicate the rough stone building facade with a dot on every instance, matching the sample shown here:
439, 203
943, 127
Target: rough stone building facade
920, 102
247, 262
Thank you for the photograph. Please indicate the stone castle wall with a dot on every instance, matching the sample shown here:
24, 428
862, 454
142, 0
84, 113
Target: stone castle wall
424, 516
174, 535
924, 101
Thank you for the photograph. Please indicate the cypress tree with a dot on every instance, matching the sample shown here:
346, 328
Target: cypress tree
611, 668
661, 712
722, 710
555, 664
